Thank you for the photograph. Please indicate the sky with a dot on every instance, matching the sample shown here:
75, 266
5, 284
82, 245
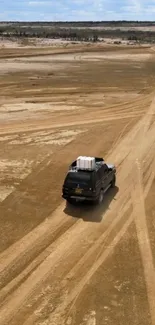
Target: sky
76, 10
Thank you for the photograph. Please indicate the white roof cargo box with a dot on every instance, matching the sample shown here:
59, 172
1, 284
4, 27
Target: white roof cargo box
86, 163
80, 162
91, 163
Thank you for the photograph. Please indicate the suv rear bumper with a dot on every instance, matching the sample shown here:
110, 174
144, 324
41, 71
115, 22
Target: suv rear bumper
80, 198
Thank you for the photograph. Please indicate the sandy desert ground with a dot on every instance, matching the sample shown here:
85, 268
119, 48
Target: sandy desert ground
83, 265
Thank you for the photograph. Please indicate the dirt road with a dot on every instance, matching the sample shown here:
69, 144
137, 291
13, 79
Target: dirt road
89, 265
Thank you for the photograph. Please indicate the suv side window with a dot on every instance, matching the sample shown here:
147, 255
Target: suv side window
104, 170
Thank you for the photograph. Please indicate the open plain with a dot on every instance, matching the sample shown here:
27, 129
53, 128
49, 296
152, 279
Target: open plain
83, 265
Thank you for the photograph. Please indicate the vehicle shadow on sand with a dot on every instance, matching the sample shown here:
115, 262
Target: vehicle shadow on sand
89, 211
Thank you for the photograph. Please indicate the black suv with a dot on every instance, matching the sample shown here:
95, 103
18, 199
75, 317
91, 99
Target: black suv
80, 185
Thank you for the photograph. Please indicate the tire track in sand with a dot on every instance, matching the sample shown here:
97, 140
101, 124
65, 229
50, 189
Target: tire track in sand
58, 317
66, 243
143, 237
51, 124
141, 223
125, 165
42, 257
24, 245
131, 159
15, 254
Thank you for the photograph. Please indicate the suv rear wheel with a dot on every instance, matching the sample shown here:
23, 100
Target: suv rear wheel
100, 197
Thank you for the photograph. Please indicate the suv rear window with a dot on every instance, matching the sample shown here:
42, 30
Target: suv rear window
79, 177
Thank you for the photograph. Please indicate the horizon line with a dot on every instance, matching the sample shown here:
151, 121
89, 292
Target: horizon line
78, 21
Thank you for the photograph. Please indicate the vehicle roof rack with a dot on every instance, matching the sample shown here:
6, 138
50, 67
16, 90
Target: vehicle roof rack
98, 163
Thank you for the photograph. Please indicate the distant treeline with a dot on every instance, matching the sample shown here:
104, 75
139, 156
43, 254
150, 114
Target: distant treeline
80, 32
113, 23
